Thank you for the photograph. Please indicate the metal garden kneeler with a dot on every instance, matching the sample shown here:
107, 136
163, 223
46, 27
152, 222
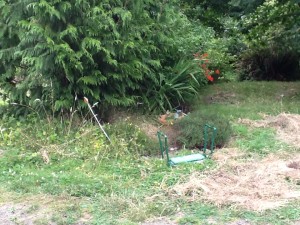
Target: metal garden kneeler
172, 161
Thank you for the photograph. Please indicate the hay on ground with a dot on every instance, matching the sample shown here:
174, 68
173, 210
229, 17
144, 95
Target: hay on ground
253, 185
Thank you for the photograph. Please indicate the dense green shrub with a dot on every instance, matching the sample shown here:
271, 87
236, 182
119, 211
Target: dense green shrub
273, 42
191, 129
274, 23
118, 53
59, 51
220, 52
270, 64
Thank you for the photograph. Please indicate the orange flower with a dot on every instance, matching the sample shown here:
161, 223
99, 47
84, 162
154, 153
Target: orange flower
217, 72
210, 78
205, 55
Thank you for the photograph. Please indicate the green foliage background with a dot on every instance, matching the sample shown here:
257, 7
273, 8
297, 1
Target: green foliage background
122, 53
272, 36
117, 53
100, 49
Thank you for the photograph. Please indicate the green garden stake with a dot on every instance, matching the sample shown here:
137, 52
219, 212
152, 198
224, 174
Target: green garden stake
212, 141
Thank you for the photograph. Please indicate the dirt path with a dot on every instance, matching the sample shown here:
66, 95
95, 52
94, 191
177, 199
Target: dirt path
38, 209
22, 213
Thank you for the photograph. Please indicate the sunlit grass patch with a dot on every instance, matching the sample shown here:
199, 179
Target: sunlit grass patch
258, 140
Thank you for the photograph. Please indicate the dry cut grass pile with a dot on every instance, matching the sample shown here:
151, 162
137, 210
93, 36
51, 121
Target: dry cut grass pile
252, 184
287, 126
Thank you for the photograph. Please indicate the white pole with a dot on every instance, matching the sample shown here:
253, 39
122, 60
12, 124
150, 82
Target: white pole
87, 102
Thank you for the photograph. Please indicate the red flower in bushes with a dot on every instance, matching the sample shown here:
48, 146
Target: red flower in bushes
203, 61
210, 78
205, 55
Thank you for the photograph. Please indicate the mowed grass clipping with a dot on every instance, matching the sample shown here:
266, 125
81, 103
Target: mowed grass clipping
116, 186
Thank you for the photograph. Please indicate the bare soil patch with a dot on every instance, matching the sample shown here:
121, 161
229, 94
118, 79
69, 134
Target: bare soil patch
239, 222
221, 97
287, 126
159, 221
294, 165
20, 213
251, 184
37, 209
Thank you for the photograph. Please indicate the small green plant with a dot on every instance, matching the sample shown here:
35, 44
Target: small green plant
191, 129
174, 87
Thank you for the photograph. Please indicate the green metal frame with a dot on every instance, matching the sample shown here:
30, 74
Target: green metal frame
213, 136
164, 147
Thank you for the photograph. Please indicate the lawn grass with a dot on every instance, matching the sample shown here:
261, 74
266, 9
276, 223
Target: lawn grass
125, 188
249, 99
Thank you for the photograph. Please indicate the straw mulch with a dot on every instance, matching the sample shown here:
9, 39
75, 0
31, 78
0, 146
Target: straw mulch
252, 184
287, 126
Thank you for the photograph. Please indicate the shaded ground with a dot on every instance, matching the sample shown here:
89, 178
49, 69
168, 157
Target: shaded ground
221, 97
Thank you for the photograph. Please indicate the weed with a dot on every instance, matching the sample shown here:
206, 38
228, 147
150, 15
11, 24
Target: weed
176, 86
129, 139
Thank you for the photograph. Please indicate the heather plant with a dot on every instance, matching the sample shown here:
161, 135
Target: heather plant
191, 129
